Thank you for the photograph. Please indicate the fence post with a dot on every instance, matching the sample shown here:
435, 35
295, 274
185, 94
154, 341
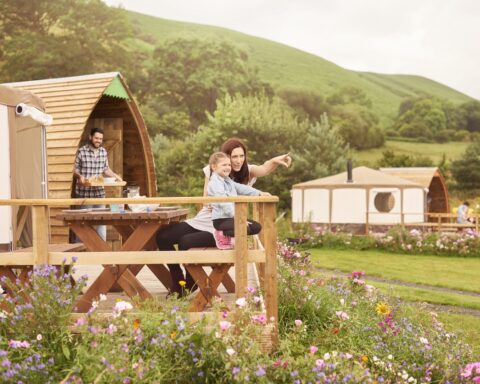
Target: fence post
40, 234
241, 249
258, 215
271, 294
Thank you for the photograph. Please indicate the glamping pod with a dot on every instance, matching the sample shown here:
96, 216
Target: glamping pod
78, 104
429, 178
369, 197
23, 170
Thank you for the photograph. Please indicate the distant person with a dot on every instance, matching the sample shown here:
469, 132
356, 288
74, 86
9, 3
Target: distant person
462, 213
92, 160
220, 184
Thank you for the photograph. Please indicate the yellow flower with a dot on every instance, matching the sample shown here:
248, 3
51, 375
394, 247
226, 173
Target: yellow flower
364, 359
383, 309
182, 283
173, 335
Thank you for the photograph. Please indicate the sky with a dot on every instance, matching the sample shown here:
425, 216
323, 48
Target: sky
438, 39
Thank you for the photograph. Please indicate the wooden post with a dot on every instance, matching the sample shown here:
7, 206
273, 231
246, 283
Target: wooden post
402, 217
367, 212
330, 205
40, 234
241, 249
271, 294
258, 215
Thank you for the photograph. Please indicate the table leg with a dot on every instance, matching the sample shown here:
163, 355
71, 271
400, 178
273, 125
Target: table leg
207, 284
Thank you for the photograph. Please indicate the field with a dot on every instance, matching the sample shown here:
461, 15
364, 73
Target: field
435, 151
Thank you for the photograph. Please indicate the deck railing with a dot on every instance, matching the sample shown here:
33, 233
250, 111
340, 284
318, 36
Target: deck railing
264, 255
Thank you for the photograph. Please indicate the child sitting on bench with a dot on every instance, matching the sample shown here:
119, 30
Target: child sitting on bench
220, 184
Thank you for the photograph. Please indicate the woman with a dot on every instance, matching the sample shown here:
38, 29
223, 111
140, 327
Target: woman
198, 232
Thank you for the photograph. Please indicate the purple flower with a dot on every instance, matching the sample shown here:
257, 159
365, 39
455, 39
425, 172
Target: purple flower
260, 371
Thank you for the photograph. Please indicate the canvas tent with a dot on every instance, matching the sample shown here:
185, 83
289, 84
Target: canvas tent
430, 178
23, 172
78, 104
372, 197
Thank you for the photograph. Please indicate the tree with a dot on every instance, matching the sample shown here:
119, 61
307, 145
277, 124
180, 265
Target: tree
390, 159
423, 118
54, 38
189, 75
466, 170
323, 152
358, 126
269, 128
307, 104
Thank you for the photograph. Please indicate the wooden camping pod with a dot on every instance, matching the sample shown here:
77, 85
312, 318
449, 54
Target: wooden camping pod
77, 104
430, 178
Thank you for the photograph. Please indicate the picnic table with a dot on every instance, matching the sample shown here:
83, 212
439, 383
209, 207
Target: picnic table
137, 230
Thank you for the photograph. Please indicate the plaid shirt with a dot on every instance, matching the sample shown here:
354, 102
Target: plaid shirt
88, 165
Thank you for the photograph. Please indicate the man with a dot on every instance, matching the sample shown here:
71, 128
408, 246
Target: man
92, 160
462, 213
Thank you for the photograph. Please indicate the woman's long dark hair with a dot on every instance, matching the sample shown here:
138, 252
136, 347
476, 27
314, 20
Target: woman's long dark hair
243, 175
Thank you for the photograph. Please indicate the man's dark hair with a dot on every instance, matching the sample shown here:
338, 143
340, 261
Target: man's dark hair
466, 203
96, 130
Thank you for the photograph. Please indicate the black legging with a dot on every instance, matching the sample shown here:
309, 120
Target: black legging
186, 237
228, 226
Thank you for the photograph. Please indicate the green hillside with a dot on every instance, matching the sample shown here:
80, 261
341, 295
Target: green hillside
287, 67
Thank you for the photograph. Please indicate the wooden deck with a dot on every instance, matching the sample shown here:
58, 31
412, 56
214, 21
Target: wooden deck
151, 283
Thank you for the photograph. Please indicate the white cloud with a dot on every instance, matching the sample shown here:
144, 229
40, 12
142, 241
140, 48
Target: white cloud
432, 38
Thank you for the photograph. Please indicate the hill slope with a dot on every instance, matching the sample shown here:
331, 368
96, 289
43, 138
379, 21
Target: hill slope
284, 66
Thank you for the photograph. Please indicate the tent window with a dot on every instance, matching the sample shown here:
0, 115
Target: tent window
384, 202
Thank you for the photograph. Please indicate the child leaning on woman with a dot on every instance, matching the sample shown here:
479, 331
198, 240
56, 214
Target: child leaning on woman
221, 184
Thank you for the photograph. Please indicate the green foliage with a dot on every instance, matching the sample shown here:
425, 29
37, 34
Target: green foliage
43, 39
470, 112
466, 170
390, 159
189, 75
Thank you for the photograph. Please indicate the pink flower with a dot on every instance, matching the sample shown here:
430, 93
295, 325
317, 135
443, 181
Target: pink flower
251, 290
342, 315
80, 321
261, 319
319, 363
357, 274
18, 344
224, 325
298, 323
313, 349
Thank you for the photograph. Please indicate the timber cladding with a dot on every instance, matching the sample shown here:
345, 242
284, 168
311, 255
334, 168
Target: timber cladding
76, 105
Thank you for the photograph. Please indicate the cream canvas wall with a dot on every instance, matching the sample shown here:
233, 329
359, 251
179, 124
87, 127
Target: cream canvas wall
5, 185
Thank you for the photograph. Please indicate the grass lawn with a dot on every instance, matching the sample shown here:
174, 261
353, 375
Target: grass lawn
468, 327
442, 271
435, 151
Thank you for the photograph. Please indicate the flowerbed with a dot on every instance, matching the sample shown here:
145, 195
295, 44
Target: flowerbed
462, 243
330, 331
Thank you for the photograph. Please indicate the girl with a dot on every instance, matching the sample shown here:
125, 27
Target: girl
220, 184
199, 231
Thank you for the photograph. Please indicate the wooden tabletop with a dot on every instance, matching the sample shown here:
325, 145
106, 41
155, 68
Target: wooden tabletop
126, 215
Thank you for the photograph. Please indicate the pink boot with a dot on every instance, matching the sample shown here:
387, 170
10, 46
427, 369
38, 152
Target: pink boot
222, 241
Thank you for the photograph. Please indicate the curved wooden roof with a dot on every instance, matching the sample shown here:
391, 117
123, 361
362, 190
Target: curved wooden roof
419, 175
71, 101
